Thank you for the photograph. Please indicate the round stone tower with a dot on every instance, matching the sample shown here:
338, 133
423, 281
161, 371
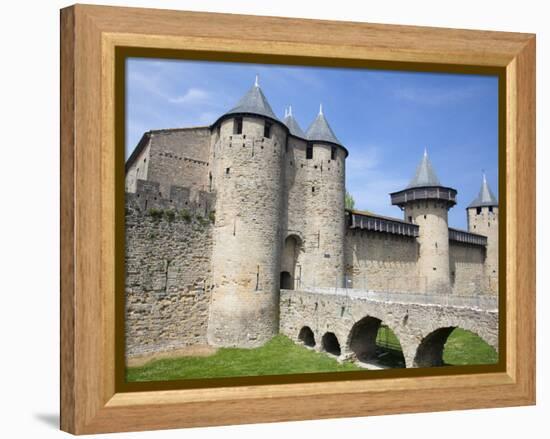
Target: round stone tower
249, 146
483, 219
324, 175
426, 202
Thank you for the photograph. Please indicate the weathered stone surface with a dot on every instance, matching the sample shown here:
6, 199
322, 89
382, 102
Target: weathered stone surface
168, 281
414, 324
218, 221
485, 222
383, 262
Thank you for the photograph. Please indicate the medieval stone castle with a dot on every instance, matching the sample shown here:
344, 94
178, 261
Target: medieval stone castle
227, 223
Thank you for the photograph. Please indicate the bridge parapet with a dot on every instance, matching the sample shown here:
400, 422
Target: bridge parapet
483, 302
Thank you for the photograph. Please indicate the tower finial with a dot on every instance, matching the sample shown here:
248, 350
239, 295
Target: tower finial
425, 152
321, 109
257, 81
290, 110
484, 176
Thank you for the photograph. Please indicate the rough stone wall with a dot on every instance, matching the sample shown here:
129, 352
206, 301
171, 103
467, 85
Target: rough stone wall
246, 259
382, 262
315, 191
433, 238
412, 323
294, 216
167, 278
486, 223
139, 167
180, 157
148, 196
467, 269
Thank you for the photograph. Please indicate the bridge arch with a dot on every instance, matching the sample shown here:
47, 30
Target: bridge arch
330, 344
364, 341
429, 352
306, 336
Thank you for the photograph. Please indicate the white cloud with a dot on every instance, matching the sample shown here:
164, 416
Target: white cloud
192, 96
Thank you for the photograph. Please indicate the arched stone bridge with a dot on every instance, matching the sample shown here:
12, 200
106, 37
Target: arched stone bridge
345, 322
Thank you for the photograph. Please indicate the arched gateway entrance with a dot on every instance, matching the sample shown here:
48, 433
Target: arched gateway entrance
286, 281
290, 271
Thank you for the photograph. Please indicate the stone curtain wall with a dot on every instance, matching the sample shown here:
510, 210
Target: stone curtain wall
180, 157
138, 169
168, 287
467, 269
382, 262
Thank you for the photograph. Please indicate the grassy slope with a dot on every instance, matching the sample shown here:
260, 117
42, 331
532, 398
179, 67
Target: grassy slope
282, 356
279, 356
464, 347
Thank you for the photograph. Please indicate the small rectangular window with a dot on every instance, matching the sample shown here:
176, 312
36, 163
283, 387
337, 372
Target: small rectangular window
267, 129
309, 152
491, 209
410, 219
478, 210
227, 170
313, 189
238, 125
333, 153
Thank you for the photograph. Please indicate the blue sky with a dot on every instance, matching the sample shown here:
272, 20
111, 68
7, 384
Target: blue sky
385, 119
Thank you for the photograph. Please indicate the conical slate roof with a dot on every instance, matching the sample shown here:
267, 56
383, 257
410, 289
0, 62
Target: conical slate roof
425, 174
320, 130
292, 125
485, 196
253, 102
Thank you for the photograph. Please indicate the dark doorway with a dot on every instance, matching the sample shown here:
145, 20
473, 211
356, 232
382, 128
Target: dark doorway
306, 336
330, 344
286, 281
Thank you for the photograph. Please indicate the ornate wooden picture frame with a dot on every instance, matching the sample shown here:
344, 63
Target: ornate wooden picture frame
94, 41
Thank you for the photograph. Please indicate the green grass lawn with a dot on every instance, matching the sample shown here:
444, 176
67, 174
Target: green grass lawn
464, 347
279, 356
282, 356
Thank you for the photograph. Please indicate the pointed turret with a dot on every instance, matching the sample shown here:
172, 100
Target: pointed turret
250, 145
485, 196
483, 219
426, 202
253, 102
425, 174
293, 125
320, 130
424, 186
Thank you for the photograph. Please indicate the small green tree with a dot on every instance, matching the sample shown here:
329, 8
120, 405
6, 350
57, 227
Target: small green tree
349, 202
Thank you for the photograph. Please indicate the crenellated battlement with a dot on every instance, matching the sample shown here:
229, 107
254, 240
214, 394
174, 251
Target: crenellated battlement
148, 196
